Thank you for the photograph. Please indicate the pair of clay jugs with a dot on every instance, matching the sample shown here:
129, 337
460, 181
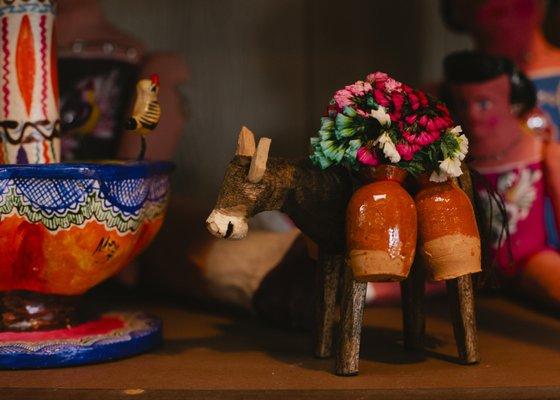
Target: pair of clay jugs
384, 225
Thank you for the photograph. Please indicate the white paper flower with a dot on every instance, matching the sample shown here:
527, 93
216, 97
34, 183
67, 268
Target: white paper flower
463, 147
451, 166
388, 147
382, 116
438, 176
456, 130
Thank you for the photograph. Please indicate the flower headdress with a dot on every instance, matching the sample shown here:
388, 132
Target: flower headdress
383, 121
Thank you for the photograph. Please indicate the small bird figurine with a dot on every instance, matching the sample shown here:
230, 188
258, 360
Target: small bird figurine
146, 111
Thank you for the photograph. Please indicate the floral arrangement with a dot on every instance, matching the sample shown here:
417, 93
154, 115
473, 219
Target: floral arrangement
383, 121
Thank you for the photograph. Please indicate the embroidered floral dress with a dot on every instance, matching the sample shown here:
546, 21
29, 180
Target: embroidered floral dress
522, 187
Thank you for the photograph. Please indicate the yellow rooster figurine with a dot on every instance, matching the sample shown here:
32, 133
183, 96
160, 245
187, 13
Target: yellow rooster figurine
146, 111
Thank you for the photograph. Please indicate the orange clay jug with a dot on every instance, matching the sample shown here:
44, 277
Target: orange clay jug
449, 242
381, 227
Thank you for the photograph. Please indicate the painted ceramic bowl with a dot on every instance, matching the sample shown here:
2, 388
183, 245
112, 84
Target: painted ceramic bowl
64, 228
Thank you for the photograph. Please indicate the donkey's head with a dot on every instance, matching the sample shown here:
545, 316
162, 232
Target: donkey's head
244, 191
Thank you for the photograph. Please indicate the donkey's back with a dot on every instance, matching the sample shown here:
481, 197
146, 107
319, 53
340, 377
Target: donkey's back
318, 201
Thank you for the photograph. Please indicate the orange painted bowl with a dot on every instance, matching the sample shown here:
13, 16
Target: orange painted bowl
65, 228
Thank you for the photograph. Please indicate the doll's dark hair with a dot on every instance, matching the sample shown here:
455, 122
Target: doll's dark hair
473, 66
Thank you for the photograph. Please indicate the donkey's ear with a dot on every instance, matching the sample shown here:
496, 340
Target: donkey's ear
245, 143
258, 163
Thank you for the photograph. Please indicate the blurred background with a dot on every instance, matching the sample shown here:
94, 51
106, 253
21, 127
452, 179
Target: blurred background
273, 65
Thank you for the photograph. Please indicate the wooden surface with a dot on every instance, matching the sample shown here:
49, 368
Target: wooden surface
210, 356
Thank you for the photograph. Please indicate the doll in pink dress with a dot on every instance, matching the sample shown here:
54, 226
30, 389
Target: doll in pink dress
514, 29
489, 95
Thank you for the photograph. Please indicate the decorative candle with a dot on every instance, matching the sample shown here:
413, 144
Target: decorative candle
29, 124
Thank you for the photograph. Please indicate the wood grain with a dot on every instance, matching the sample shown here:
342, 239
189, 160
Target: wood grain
461, 299
258, 162
352, 310
329, 270
549, 392
245, 143
220, 355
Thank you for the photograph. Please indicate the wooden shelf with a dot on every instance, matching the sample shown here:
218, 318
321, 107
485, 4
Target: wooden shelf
212, 356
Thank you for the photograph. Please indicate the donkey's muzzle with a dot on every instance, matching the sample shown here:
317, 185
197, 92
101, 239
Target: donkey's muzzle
229, 230
226, 226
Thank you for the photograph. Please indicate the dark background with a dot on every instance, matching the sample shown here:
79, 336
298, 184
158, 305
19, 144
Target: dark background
274, 64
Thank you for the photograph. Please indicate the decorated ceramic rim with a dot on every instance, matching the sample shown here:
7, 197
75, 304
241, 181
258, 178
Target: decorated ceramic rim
59, 196
109, 170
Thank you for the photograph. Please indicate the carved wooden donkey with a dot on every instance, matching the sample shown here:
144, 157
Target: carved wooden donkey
314, 199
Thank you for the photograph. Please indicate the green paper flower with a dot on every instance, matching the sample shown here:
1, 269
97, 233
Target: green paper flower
338, 140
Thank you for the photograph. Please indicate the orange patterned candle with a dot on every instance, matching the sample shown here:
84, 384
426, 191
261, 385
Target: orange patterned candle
29, 124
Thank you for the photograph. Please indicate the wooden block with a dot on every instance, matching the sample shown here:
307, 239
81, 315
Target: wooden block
327, 288
245, 143
258, 163
461, 299
352, 313
414, 318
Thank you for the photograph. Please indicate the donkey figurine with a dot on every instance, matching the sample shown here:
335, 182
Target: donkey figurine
316, 201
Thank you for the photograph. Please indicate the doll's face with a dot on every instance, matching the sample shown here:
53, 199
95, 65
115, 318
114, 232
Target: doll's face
484, 108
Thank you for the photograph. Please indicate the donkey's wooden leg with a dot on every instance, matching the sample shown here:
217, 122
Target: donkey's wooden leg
414, 319
352, 314
461, 297
327, 287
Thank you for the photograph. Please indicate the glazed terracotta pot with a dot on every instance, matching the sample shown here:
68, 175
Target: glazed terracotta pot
381, 227
65, 228
448, 232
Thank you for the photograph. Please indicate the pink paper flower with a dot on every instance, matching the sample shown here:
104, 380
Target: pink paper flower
422, 97
410, 119
377, 77
407, 150
398, 102
360, 88
392, 85
413, 101
380, 98
332, 110
366, 157
444, 112
422, 138
363, 113
343, 98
